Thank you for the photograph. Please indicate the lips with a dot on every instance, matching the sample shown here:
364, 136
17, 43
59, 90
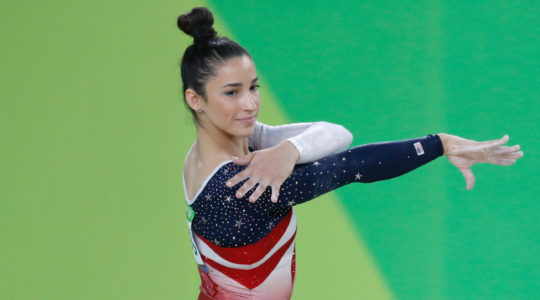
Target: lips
247, 119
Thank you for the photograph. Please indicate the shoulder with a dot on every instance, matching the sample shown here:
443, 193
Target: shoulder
211, 181
198, 174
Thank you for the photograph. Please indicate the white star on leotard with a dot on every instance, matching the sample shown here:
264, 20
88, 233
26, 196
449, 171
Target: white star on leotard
357, 176
208, 197
228, 199
238, 224
316, 164
291, 203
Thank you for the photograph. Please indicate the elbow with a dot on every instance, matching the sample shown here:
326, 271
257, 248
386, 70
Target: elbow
343, 137
348, 137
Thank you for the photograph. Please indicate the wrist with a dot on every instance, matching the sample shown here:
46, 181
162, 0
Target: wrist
290, 149
445, 140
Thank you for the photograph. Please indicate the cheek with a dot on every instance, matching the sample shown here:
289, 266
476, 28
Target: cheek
230, 108
224, 109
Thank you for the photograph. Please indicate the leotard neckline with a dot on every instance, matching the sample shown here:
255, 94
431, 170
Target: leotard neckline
203, 185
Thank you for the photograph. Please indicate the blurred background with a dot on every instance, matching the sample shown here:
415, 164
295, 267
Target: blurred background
94, 133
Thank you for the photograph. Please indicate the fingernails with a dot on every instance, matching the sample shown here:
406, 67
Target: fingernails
229, 184
238, 195
251, 199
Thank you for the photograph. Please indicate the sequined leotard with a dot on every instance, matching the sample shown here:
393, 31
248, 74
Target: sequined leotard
246, 250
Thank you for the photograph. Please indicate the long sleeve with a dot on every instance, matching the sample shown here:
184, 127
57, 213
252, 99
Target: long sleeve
236, 222
312, 140
366, 163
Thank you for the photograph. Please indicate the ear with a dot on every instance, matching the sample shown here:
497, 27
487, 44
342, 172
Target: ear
194, 100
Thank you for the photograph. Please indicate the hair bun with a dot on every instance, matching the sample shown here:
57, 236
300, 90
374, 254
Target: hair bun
198, 24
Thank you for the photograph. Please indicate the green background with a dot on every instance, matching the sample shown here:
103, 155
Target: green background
94, 133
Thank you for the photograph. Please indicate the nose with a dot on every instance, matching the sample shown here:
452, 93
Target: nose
249, 102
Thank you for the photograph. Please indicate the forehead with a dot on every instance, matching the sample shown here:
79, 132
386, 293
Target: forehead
236, 69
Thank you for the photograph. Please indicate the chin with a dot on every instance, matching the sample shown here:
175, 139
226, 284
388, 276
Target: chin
248, 132
245, 131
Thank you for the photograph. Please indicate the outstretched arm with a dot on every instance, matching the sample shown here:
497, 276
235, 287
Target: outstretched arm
380, 161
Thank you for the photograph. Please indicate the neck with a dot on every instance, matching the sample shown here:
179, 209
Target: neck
216, 145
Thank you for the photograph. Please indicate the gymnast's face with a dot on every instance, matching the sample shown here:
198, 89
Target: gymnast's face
232, 97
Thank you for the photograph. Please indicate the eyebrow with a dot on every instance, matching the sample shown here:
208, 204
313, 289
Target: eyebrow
236, 84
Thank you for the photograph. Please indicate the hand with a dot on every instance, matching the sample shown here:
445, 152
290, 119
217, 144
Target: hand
268, 167
464, 153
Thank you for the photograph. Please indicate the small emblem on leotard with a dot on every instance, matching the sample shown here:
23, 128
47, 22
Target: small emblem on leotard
419, 148
190, 213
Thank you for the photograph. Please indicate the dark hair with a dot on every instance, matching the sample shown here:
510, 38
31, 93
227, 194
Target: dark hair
208, 51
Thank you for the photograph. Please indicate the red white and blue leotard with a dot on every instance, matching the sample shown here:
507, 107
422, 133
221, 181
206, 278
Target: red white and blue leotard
246, 250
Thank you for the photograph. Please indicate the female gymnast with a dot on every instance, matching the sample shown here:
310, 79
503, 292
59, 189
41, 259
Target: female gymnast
243, 238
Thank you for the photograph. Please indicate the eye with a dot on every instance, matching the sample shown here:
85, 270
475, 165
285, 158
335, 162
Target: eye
254, 88
230, 93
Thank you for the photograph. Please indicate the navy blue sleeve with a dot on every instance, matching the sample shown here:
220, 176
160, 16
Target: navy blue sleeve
366, 163
231, 222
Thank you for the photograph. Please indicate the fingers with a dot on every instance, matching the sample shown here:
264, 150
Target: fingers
514, 155
476, 147
506, 159
275, 193
261, 188
496, 143
469, 177
504, 150
237, 178
504, 162
248, 185
258, 192
242, 175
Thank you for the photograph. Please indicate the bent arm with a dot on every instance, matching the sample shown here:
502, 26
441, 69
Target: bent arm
312, 140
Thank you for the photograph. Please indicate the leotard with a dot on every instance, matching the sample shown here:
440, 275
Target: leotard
246, 250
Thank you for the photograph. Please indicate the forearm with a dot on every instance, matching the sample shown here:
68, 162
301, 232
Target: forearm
366, 163
321, 139
381, 161
311, 140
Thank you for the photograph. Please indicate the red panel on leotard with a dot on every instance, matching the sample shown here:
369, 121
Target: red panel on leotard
253, 277
250, 254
